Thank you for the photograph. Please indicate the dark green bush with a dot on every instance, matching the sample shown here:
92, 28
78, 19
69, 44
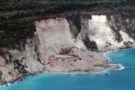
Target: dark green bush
91, 45
0, 75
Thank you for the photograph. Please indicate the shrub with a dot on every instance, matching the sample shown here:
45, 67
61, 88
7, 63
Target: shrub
91, 45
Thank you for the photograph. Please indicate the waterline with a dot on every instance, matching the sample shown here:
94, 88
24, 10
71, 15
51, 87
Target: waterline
118, 79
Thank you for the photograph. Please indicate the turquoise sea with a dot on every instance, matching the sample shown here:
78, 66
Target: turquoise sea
116, 80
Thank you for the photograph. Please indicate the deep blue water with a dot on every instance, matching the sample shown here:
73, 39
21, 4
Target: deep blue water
116, 80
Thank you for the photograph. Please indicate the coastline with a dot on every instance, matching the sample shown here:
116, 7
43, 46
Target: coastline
18, 79
108, 58
100, 71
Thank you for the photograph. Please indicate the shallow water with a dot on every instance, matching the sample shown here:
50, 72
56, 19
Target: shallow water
116, 79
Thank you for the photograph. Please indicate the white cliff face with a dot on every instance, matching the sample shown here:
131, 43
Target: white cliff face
56, 43
56, 48
126, 37
2, 61
17, 63
54, 34
8, 73
103, 34
31, 60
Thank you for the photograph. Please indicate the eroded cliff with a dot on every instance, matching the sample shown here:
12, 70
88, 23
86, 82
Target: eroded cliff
75, 42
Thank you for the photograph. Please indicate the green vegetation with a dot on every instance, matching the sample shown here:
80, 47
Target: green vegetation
91, 45
15, 31
124, 20
76, 21
0, 75
19, 67
17, 16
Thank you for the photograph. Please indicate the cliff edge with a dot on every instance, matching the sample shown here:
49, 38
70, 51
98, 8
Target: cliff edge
72, 43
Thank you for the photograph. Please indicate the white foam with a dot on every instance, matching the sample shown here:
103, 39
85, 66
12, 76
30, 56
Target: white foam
102, 72
120, 65
5, 85
107, 57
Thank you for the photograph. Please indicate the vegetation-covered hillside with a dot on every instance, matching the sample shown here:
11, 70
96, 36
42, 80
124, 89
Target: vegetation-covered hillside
17, 16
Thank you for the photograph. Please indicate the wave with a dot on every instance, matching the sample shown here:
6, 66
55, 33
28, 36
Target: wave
106, 56
6, 85
110, 60
106, 72
121, 67
102, 72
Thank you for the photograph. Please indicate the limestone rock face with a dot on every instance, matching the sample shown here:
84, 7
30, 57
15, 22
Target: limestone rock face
103, 33
63, 32
67, 44
2, 61
82, 32
55, 34
16, 63
126, 37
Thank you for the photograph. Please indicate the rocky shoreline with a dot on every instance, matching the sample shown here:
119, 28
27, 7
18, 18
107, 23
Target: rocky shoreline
18, 79
95, 70
68, 44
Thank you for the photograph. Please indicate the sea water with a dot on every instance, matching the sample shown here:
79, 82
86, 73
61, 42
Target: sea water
115, 80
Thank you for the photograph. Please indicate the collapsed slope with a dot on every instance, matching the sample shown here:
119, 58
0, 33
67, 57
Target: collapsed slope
67, 44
